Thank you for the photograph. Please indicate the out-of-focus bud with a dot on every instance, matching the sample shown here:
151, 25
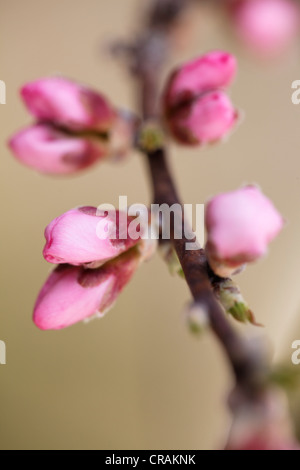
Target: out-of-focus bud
266, 26
240, 225
196, 111
76, 127
72, 294
82, 236
68, 104
205, 120
197, 318
230, 296
265, 425
50, 151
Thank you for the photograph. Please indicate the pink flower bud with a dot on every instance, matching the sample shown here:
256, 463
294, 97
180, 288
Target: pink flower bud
210, 72
68, 104
264, 425
196, 110
205, 120
265, 442
240, 225
53, 152
81, 236
72, 294
267, 26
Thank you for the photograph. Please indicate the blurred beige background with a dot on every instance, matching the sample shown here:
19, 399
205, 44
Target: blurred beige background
135, 379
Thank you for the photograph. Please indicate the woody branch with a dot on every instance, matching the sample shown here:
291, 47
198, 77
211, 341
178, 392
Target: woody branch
150, 55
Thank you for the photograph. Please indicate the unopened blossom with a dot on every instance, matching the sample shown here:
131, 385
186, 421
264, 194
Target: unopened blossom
266, 26
68, 104
212, 71
240, 225
75, 128
73, 294
205, 120
82, 236
263, 425
51, 151
196, 109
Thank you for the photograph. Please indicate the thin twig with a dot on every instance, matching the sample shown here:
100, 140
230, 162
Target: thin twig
247, 366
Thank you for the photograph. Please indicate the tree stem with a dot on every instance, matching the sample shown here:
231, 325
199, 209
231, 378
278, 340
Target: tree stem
246, 365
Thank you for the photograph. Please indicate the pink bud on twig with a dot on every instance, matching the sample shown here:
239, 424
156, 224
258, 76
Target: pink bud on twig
263, 425
72, 294
212, 71
81, 236
50, 151
68, 104
196, 109
266, 26
240, 225
205, 120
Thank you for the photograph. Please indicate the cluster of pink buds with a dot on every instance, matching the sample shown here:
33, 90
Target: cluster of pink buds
75, 128
95, 261
267, 27
197, 110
